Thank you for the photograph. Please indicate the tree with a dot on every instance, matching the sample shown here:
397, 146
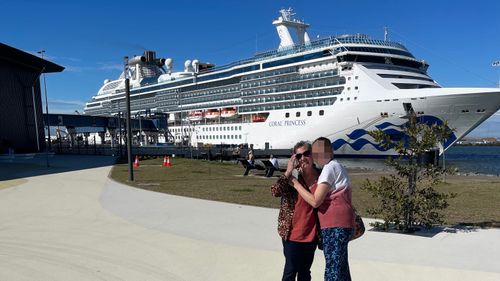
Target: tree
408, 198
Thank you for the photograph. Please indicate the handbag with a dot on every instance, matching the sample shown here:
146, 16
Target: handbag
359, 226
319, 237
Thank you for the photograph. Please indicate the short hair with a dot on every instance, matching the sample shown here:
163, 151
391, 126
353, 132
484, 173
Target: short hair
301, 144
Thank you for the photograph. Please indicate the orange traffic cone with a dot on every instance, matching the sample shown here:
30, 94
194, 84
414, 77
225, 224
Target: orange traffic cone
168, 162
165, 163
136, 163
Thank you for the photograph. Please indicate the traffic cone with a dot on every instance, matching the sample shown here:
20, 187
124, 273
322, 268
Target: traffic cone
136, 163
168, 162
165, 163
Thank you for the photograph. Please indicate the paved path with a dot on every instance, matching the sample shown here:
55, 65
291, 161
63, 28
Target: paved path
80, 225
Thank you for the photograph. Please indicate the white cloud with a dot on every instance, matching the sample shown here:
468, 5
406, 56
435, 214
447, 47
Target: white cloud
71, 68
109, 66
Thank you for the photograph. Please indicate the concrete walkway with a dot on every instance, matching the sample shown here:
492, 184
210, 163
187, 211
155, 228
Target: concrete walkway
80, 225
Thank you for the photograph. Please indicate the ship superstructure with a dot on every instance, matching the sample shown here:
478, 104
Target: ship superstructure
340, 87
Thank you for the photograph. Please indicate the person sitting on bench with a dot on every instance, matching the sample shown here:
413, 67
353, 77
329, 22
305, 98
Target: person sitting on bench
251, 160
274, 167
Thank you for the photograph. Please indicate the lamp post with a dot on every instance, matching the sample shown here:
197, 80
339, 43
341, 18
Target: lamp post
129, 129
42, 52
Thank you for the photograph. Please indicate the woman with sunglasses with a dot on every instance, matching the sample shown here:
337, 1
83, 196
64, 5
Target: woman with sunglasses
332, 197
297, 219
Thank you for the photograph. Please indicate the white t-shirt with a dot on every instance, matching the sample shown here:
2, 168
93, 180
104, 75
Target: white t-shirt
274, 161
336, 175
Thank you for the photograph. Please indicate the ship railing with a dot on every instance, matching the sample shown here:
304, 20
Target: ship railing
322, 42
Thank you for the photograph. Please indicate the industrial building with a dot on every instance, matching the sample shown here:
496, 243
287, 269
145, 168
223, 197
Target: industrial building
21, 117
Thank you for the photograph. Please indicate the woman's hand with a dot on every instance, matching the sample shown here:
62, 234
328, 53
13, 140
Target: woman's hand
290, 166
295, 183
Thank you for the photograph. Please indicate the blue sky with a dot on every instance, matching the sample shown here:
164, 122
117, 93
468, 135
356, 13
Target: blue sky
459, 39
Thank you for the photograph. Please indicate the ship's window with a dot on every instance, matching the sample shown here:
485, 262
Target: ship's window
348, 88
287, 115
297, 114
341, 99
322, 112
355, 88
348, 98
355, 77
240, 127
355, 98
309, 113
348, 78
240, 137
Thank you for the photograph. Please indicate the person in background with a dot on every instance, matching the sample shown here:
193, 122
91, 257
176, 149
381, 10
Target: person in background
297, 225
332, 197
276, 166
250, 159
236, 153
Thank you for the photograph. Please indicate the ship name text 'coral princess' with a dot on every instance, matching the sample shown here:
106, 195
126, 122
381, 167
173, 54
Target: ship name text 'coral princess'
339, 87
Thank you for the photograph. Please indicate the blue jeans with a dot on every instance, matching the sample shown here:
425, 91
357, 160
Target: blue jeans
299, 257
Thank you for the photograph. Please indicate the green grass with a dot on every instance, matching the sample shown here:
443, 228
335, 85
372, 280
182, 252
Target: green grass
476, 203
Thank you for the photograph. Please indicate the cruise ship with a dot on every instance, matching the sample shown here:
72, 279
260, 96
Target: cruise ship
339, 87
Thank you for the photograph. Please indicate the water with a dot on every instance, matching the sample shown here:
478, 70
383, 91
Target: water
468, 159
474, 159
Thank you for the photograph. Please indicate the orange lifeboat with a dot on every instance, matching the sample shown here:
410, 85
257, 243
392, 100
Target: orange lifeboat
212, 114
228, 113
258, 118
195, 116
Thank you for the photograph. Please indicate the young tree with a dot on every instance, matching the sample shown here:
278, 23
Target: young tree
408, 198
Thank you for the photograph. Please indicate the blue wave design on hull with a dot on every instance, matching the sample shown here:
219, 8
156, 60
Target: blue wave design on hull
394, 134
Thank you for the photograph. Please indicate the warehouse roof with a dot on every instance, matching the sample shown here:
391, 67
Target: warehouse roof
27, 60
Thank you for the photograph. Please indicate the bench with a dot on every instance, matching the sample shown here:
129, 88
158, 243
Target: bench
268, 164
245, 164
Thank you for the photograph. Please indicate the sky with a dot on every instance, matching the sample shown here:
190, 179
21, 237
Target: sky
459, 39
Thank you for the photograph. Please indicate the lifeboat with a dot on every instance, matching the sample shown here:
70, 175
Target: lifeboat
195, 116
228, 113
258, 118
212, 114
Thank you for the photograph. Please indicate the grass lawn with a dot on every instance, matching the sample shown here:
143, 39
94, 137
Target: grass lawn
477, 200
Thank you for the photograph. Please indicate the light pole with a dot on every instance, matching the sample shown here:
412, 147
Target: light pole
42, 52
129, 129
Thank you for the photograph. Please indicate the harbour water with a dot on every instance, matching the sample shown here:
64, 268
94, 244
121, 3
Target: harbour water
472, 159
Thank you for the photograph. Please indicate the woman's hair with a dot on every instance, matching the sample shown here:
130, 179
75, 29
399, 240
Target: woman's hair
301, 144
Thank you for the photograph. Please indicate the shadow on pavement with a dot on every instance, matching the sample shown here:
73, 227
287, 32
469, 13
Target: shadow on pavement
20, 168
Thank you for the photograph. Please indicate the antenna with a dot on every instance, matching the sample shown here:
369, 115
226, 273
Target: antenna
496, 63
386, 33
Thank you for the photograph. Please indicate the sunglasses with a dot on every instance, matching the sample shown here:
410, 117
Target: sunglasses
306, 153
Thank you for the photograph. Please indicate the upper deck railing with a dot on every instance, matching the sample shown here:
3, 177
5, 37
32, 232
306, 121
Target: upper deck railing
316, 44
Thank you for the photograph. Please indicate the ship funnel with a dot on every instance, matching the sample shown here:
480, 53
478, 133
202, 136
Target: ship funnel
160, 62
150, 56
136, 60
